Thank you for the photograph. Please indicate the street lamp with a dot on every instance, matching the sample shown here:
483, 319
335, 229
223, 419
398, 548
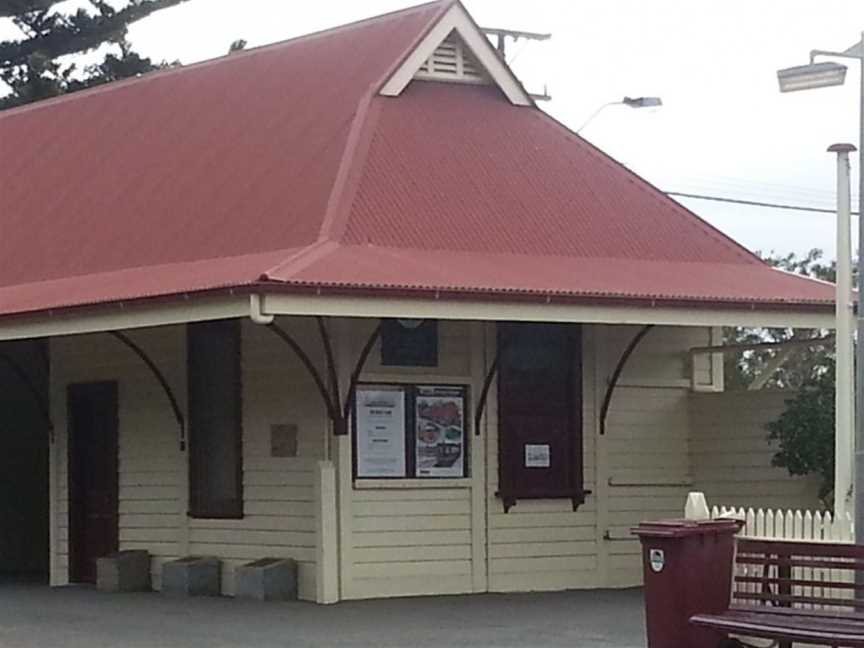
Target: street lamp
642, 102
821, 75
632, 102
814, 75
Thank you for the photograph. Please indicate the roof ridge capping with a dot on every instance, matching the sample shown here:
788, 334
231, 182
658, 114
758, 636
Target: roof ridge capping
232, 56
457, 19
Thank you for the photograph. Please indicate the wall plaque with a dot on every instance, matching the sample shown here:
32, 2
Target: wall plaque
283, 440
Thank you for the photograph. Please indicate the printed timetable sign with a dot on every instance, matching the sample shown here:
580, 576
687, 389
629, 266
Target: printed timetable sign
410, 431
381, 432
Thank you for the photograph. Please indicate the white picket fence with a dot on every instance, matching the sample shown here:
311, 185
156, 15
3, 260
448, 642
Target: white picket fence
789, 525
805, 526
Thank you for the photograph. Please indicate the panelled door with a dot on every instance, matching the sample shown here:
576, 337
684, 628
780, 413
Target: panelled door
93, 480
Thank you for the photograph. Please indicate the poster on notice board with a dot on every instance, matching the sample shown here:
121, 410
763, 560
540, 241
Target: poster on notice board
439, 423
381, 432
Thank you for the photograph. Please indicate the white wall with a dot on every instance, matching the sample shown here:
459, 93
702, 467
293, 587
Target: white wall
409, 537
543, 544
420, 537
412, 539
279, 503
647, 470
279, 511
151, 467
731, 453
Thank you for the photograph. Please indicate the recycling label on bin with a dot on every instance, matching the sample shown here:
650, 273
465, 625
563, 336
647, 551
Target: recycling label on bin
657, 559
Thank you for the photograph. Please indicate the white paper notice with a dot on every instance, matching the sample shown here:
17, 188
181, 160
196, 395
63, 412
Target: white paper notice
537, 456
380, 432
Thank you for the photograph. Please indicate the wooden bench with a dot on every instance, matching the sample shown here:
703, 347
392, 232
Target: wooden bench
802, 592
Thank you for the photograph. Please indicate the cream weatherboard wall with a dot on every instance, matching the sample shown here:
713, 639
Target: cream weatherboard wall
413, 537
544, 544
732, 456
638, 470
645, 452
374, 538
279, 503
152, 500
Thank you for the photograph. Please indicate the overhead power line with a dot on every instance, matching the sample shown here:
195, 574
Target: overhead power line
755, 203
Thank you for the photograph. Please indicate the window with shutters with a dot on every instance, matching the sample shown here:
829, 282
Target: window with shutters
215, 420
540, 412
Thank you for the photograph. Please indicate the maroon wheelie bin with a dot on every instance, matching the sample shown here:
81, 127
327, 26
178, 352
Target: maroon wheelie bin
688, 570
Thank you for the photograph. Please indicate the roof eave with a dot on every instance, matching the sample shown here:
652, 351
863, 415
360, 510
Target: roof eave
228, 301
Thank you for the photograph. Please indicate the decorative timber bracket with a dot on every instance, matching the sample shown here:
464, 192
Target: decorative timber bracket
358, 369
28, 382
328, 388
160, 378
616, 375
484, 395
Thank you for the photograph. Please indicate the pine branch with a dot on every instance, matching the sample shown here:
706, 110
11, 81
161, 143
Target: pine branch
17, 7
80, 33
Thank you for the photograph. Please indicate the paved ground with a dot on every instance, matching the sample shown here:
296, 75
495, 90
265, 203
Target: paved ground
38, 617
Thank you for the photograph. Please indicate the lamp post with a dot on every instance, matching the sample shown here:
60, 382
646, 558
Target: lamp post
631, 102
820, 75
844, 374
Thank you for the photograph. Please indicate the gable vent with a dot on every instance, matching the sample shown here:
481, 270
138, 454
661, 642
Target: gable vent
452, 61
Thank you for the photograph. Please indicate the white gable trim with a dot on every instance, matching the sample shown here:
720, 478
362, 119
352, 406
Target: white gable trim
457, 19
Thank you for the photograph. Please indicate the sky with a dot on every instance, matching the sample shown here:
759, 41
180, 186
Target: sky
724, 128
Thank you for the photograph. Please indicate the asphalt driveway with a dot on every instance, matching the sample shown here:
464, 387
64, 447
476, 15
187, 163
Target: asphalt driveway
39, 617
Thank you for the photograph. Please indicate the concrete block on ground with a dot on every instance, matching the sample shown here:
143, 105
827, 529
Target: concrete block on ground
268, 579
124, 571
192, 576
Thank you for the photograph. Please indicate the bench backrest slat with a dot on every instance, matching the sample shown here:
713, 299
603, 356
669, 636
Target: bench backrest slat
788, 574
796, 548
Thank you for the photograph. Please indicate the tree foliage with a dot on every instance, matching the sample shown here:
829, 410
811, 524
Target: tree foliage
238, 46
32, 67
804, 433
805, 362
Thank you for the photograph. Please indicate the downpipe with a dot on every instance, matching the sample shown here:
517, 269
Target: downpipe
256, 310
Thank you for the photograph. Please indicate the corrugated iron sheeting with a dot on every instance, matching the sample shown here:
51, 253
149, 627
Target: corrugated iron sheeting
472, 272
452, 167
229, 157
222, 174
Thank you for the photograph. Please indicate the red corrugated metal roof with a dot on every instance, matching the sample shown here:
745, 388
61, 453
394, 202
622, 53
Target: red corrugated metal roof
229, 157
282, 165
485, 176
626, 279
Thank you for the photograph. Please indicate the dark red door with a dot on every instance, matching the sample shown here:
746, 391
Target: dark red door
93, 484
